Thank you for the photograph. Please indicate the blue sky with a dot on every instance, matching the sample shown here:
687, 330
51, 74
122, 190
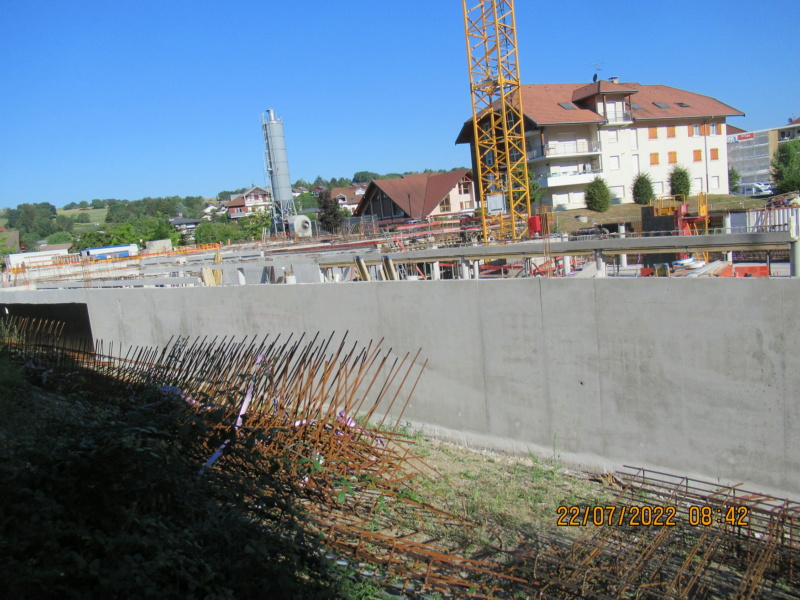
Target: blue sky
128, 99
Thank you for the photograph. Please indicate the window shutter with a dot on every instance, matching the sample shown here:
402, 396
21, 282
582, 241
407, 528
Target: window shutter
715, 154
698, 155
691, 130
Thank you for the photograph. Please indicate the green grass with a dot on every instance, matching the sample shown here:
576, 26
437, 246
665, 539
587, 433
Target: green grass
505, 495
96, 215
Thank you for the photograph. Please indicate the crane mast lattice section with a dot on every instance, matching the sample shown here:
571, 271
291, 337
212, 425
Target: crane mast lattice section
276, 164
498, 125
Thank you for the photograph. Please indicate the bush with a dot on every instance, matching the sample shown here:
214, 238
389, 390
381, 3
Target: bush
598, 196
734, 179
680, 181
642, 189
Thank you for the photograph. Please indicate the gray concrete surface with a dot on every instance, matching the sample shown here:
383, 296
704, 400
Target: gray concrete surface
691, 376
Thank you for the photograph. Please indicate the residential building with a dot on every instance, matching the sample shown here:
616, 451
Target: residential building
185, 226
576, 132
419, 196
751, 152
349, 197
253, 200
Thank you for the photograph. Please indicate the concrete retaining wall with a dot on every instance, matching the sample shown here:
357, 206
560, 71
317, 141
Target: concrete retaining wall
696, 377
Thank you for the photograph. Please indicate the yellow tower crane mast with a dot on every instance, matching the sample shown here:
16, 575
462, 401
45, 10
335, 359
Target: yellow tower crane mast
498, 125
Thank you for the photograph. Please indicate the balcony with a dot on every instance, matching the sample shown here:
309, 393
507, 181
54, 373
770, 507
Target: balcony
619, 118
579, 148
567, 178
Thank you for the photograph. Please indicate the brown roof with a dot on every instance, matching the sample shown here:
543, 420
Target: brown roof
349, 193
417, 195
238, 201
558, 103
599, 87
795, 122
698, 104
733, 130
53, 247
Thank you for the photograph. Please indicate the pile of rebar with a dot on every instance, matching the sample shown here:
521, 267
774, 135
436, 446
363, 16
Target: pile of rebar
332, 411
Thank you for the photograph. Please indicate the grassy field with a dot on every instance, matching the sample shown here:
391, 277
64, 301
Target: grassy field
96, 215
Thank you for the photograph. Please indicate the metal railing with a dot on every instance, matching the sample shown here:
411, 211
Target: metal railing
620, 117
580, 147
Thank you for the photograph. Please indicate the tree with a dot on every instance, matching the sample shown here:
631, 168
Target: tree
226, 195
97, 203
70, 206
680, 182
535, 190
306, 200
256, 224
64, 223
211, 233
83, 204
59, 237
364, 176
733, 180
642, 188
786, 167
598, 196
330, 217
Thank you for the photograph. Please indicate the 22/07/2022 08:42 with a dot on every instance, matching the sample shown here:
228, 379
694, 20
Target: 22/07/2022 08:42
646, 516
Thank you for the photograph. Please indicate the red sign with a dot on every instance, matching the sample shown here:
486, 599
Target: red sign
745, 136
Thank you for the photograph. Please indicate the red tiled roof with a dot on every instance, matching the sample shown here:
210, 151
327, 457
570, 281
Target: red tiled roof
599, 87
795, 122
542, 103
733, 130
698, 104
238, 201
348, 193
418, 195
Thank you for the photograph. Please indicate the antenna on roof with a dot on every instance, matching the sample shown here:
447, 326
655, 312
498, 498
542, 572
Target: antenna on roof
597, 69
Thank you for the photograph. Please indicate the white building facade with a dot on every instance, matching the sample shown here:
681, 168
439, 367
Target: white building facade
616, 130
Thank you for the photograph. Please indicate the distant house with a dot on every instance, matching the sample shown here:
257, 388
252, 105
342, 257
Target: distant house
255, 199
185, 227
349, 197
54, 247
419, 196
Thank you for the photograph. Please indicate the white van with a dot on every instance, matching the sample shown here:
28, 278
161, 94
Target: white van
755, 189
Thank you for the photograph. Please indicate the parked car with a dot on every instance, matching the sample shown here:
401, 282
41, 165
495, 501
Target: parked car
755, 189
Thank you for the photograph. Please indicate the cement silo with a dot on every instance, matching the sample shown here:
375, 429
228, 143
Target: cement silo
277, 166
